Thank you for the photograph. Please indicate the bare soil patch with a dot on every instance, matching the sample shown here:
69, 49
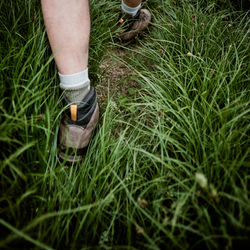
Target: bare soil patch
115, 77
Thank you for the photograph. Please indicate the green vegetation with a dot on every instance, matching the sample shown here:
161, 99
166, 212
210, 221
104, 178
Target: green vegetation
169, 165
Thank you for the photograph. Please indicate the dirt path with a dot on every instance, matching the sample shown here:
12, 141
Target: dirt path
116, 77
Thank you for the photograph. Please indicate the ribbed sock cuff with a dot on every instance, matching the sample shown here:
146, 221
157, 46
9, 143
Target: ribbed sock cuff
76, 85
74, 81
130, 10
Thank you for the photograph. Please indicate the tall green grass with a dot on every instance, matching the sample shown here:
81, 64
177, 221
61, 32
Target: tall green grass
168, 168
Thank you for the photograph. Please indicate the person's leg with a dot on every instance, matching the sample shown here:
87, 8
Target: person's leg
68, 28
135, 19
132, 3
131, 6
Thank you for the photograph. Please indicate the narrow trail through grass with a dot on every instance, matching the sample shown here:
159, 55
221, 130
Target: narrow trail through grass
169, 165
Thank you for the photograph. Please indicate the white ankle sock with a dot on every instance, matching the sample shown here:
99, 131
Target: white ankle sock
130, 10
76, 85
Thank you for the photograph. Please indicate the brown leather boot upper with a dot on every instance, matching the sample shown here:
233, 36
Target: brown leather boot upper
138, 23
77, 126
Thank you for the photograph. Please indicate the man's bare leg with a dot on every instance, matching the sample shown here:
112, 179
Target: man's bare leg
68, 28
131, 6
132, 3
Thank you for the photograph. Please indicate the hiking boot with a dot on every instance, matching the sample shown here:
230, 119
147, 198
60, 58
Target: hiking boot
77, 126
134, 25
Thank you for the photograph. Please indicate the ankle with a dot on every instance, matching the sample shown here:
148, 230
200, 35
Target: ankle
131, 7
76, 86
132, 3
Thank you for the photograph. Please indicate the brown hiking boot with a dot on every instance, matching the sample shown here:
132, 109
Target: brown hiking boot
134, 25
77, 126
